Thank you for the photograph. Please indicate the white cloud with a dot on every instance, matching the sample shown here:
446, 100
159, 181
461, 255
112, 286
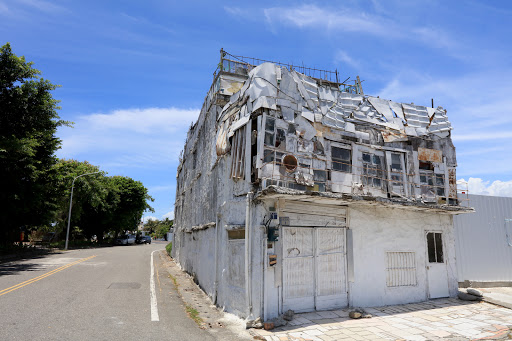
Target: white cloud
312, 16
381, 24
128, 137
169, 215
479, 186
344, 58
145, 219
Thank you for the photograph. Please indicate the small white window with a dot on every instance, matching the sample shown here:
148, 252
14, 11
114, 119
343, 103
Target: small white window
401, 269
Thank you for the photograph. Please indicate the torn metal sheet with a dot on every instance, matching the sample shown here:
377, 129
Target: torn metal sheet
288, 114
304, 128
304, 179
237, 124
308, 115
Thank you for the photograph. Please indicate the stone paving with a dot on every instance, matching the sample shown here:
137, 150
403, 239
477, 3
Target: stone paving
440, 319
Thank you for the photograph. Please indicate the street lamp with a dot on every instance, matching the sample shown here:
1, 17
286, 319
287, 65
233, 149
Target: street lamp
71, 204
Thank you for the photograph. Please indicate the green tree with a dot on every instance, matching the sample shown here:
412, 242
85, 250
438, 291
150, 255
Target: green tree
28, 123
133, 201
101, 203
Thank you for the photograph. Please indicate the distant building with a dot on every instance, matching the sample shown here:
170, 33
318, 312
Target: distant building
483, 242
298, 191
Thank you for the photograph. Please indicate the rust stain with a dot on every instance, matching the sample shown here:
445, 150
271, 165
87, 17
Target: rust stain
390, 136
452, 182
432, 155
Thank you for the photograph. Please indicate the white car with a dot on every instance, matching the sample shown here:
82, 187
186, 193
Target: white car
126, 239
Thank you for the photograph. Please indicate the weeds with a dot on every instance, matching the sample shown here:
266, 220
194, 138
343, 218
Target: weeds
194, 315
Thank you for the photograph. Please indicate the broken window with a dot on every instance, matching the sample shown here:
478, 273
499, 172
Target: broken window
341, 159
373, 170
238, 154
435, 247
431, 184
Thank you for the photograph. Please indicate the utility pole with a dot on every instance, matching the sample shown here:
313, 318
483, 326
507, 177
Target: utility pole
71, 205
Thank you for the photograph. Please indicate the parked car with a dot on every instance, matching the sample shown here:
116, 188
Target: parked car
126, 239
143, 240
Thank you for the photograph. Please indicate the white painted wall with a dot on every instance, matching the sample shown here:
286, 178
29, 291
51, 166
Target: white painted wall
377, 230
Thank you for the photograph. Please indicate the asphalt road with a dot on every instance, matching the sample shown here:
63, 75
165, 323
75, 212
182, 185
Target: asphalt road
93, 294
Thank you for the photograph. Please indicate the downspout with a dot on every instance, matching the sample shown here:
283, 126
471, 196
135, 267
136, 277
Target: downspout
248, 241
216, 282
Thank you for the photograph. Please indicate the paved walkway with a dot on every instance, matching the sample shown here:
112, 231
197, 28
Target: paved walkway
448, 319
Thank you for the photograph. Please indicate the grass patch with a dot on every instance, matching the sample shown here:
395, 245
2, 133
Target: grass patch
168, 248
194, 315
174, 281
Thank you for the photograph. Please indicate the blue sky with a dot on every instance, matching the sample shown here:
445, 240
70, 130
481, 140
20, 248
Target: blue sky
134, 74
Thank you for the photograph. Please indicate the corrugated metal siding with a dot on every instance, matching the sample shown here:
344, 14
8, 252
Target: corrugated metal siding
483, 253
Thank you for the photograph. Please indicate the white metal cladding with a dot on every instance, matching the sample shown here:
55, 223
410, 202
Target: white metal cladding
483, 252
401, 269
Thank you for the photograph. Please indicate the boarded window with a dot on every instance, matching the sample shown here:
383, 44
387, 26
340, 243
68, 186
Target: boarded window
238, 154
435, 247
341, 159
236, 234
401, 269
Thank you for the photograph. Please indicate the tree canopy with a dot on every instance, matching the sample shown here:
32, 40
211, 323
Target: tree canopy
35, 185
101, 203
28, 123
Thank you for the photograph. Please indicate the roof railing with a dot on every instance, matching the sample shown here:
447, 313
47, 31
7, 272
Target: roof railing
243, 65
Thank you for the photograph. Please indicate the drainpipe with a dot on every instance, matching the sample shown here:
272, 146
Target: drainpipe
216, 282
248, 255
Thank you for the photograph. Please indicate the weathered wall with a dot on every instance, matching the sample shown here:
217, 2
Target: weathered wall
378, 230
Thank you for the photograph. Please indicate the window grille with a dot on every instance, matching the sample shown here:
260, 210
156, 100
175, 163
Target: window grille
238, 154
401, 269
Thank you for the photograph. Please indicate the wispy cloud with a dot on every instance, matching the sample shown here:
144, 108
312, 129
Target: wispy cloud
344, 58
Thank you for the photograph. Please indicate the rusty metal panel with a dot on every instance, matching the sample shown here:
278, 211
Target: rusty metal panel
452, 183
432, 155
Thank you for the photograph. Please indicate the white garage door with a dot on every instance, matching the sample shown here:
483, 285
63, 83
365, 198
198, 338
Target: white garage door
314, 268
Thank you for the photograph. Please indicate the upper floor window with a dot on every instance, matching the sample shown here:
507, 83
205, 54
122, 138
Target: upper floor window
373, 170
341, 159
429, 181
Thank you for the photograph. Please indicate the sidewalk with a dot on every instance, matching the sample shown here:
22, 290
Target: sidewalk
440, 319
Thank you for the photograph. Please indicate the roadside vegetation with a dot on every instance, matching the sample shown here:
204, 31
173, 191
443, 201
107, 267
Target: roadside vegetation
36, 185
158, 228
168, 248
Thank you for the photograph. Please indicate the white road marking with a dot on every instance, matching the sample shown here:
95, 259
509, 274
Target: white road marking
154, 307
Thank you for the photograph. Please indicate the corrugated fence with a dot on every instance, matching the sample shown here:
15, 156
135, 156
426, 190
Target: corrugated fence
484, 240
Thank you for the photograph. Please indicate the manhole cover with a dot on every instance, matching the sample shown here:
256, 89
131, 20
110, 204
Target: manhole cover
124, 285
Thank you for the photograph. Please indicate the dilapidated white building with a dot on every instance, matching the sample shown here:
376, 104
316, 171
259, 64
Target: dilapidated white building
298, 191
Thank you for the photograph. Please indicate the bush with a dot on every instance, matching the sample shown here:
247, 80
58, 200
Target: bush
168, 247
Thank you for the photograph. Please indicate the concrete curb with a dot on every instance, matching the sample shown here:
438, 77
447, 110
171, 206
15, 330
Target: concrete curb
221, 325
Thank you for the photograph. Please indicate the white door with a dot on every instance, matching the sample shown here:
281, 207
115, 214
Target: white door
314, 269
437, 273
298, 271
331, 290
